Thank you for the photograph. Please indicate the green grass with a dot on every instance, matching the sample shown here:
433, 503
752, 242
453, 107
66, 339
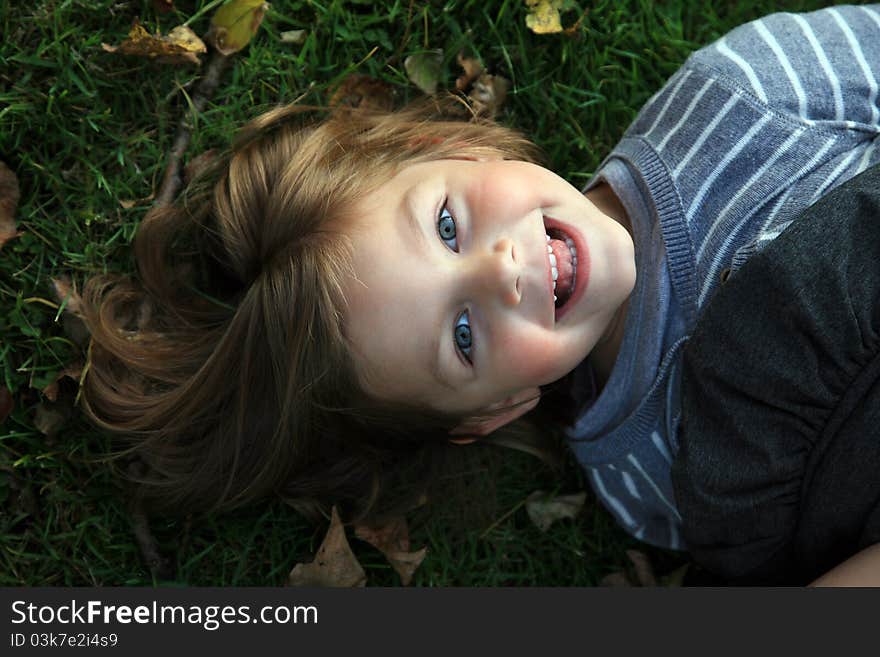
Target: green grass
84, 130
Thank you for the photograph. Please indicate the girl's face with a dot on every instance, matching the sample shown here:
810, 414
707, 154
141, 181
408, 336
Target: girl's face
452, 307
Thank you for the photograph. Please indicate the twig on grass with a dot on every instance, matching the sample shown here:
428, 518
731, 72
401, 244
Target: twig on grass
172, 179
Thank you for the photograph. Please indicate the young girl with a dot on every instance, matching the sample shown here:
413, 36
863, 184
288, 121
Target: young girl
332, 306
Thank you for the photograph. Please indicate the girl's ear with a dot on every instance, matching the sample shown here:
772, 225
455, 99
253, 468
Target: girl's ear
483, 427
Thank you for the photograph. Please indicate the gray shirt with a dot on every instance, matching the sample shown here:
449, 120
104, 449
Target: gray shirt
748, 133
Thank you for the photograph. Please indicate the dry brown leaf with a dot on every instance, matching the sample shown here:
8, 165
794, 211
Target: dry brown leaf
9, 196
72, 371
334, 565
198, 164
128, 204
543, 16
235, 24
7, 403
358, 90
472, 70
392, 540
489, 93
64, 289
180, 46
72, 318
544, 510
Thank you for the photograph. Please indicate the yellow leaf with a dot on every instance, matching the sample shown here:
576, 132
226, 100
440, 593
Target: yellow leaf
179, 46
543, 17
235, 23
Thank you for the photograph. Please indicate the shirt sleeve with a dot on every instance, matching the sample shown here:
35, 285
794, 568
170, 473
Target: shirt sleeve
821, 67
776, 473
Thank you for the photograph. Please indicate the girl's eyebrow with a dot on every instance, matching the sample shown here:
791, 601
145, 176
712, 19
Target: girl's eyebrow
418, 229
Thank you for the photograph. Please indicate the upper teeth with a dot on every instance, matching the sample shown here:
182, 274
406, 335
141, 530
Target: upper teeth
574, 260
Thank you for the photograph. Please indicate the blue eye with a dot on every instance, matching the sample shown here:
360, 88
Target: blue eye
446, 228
463, 339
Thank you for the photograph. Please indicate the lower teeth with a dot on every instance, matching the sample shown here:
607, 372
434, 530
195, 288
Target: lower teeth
571, 290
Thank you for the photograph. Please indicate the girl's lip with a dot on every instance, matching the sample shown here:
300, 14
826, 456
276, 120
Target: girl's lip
583, 265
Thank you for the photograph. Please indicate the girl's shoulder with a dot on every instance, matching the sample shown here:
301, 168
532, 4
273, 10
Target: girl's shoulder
818, 66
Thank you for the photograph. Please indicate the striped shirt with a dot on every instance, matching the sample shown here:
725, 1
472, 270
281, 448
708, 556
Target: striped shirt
748, 133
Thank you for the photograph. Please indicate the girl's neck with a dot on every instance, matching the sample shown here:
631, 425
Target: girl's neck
604, 354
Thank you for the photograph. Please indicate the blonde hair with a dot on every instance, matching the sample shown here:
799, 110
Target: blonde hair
224, 362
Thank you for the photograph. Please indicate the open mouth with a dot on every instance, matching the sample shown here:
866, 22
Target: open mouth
562, 253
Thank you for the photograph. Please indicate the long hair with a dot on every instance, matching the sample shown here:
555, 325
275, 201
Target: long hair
223, 363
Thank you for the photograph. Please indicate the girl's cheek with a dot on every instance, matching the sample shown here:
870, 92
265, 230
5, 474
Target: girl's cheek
534, 361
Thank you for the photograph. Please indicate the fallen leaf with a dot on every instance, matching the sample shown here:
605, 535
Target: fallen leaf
64, 289
472, 70
7, 403
235, 23
72, 317
185, 38
128, 204
543, 16
544, 510
72, 371
334, 565
179, 46
489, 93
358, 90
198, 164
423, 70
293, 36
9, 195
392, 540
163, 6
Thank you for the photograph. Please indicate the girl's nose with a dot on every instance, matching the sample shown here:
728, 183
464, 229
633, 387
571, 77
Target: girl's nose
496, 273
